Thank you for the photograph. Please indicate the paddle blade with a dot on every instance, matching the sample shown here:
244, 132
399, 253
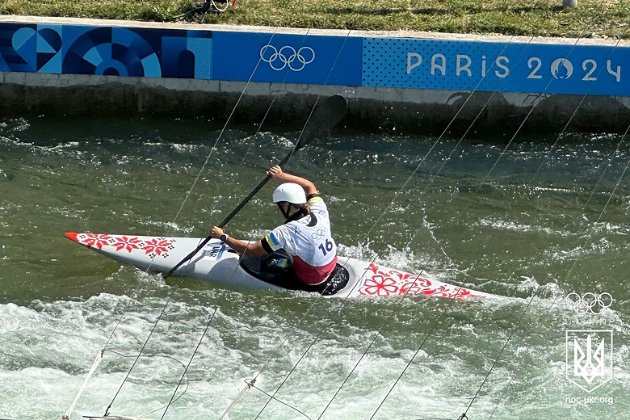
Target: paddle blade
325, 116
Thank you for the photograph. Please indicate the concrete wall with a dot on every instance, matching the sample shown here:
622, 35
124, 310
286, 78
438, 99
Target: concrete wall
412, 82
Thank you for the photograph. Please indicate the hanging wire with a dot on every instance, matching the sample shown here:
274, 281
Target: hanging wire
439, 170
137, 357
273, 397
570, 120
535, 176
208, 156
295, 365
227, 122
535, 103
308, 119
483, 254
348, 376
205, 331
190, 192
196, 180
138, 288
423, 270
334, 64
567, 277
411, 240
565, 127
156, 355
416, 278
492, 168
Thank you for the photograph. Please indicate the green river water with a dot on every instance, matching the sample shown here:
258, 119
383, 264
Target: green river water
531, 223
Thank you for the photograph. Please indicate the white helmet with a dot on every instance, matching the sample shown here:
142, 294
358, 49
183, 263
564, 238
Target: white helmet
290, 192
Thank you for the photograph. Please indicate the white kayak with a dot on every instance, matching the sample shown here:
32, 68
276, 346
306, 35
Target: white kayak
219, 265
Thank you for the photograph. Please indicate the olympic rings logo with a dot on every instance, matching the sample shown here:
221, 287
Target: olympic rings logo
587, 302
287, 56
318, 234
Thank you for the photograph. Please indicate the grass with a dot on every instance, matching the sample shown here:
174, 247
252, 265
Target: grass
592, 18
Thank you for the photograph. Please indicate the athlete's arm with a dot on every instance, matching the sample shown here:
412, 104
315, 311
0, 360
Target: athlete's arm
240, 246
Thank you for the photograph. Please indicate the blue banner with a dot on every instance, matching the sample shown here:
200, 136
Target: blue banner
495, 66
281, 58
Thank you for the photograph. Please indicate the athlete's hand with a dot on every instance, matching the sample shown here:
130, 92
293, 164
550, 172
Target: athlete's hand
216, 232
275, 172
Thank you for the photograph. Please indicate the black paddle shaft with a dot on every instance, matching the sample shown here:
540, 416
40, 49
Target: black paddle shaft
323, 117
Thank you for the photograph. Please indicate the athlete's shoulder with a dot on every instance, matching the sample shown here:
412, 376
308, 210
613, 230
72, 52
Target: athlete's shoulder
314, 199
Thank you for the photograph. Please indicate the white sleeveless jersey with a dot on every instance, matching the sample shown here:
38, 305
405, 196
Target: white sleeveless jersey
309, 241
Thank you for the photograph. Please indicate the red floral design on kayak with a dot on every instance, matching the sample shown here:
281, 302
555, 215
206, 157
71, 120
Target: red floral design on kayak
127, 243
158, 246
383, 281
95, 240
152, 247
380, 286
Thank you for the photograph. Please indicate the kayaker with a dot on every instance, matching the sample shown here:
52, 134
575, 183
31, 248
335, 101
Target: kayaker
310, 253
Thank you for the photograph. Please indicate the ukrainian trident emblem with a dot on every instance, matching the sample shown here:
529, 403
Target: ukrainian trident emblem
589, 358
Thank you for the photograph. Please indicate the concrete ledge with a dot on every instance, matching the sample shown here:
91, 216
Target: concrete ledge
370, 108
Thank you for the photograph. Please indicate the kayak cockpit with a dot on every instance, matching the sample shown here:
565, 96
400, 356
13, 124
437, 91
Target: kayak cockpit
273, 270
